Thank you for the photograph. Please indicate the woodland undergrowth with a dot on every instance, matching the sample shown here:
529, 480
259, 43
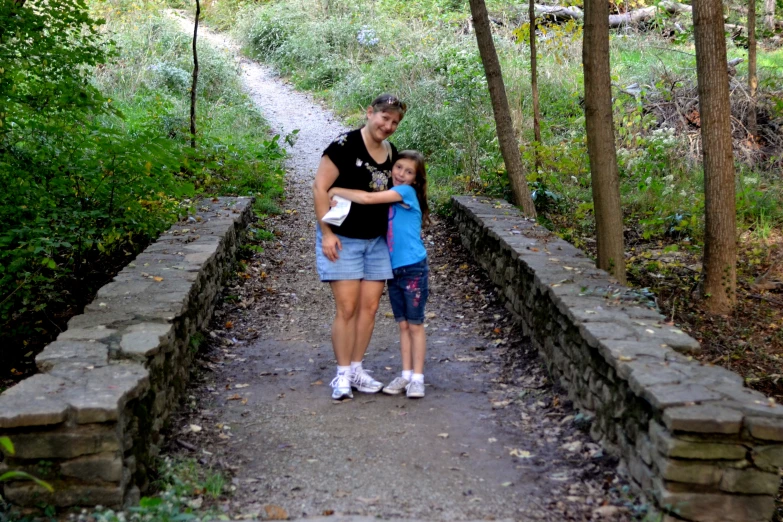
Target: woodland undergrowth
95, 160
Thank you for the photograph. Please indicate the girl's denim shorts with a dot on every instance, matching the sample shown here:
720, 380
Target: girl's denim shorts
366, 259
408, 292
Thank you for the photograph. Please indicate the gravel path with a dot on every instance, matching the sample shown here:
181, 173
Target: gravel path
491, 440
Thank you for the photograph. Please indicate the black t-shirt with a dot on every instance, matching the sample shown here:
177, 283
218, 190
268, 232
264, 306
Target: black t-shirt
358, 170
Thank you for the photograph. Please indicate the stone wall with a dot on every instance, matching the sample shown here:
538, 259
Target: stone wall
689, 434
91, 422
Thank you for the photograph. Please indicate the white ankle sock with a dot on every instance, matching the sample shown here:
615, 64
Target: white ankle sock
406, 374
417, 377
355, 367
343, 370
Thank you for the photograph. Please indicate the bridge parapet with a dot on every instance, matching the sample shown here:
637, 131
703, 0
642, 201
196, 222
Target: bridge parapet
91, 422
690, 435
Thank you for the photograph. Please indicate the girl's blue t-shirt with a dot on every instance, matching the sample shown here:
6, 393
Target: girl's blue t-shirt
404, 232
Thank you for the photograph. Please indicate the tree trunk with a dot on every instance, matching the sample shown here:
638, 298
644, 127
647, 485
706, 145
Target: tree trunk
534, 86
600, 139
509, 146
753, 80
769, 14
720, 245
195, 79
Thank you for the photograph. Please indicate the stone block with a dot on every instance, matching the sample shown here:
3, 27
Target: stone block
73, 354
143, 340
67, 442
106, 467
703, 418
769, 458
668, 395
713, 507
103, 392
644, 374
94, 333
688, 471
110, 319
765, 428
122, 288
750, 481
65, 494
670, 446
36, 401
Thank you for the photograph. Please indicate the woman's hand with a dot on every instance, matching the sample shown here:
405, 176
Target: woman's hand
330, 245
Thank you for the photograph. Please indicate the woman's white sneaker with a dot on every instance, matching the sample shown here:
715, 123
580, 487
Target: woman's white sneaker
362, 381
341, 387
396, 387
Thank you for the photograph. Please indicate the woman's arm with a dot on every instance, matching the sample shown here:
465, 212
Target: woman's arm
325, 177
366, 198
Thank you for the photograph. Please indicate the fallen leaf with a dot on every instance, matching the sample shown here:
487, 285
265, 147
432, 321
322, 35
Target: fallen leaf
492, 439
195, 428
157, 279
506, 484
241, 385
229, 325
235, 397
522, 454
497, 405
317, 383
430, 315
274, 512
443, 435
340, 493
327, 512
368, 501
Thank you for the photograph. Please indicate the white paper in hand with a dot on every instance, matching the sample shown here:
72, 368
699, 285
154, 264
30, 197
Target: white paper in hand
337, 213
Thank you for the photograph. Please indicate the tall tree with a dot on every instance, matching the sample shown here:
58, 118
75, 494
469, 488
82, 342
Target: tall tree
194, 84
769, 14
600, 139
753, 80
507, 138
720, 245
534, 83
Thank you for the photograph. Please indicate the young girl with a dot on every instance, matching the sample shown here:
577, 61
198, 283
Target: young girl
409, 289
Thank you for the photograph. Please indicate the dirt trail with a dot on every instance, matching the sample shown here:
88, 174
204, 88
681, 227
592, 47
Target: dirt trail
491, 440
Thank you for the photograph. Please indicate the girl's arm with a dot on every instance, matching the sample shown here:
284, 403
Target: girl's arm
366, 198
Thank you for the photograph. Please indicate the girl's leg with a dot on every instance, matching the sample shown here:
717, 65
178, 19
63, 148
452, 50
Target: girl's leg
418, 338
346, 297
405, 346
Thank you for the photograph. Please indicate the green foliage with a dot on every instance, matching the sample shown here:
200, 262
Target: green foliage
96, 178
46, 49
7, 447
182, 487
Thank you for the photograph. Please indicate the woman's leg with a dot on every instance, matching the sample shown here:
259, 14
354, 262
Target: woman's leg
346, 298
369, 298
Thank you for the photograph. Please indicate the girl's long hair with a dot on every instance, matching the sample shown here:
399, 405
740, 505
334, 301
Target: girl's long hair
420, 183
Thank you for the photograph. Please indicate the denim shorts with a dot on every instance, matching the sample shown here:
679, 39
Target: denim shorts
408, 292
366, 259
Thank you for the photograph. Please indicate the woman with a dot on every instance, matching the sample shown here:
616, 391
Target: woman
353, 257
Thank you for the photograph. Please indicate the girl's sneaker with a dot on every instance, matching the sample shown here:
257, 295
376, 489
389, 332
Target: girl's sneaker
362, 381
396, 387
415, 390
341, 387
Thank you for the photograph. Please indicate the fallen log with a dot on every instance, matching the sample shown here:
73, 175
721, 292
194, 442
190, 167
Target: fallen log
634, 17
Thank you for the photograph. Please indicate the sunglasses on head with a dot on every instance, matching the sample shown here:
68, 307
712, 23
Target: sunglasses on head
393, 101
